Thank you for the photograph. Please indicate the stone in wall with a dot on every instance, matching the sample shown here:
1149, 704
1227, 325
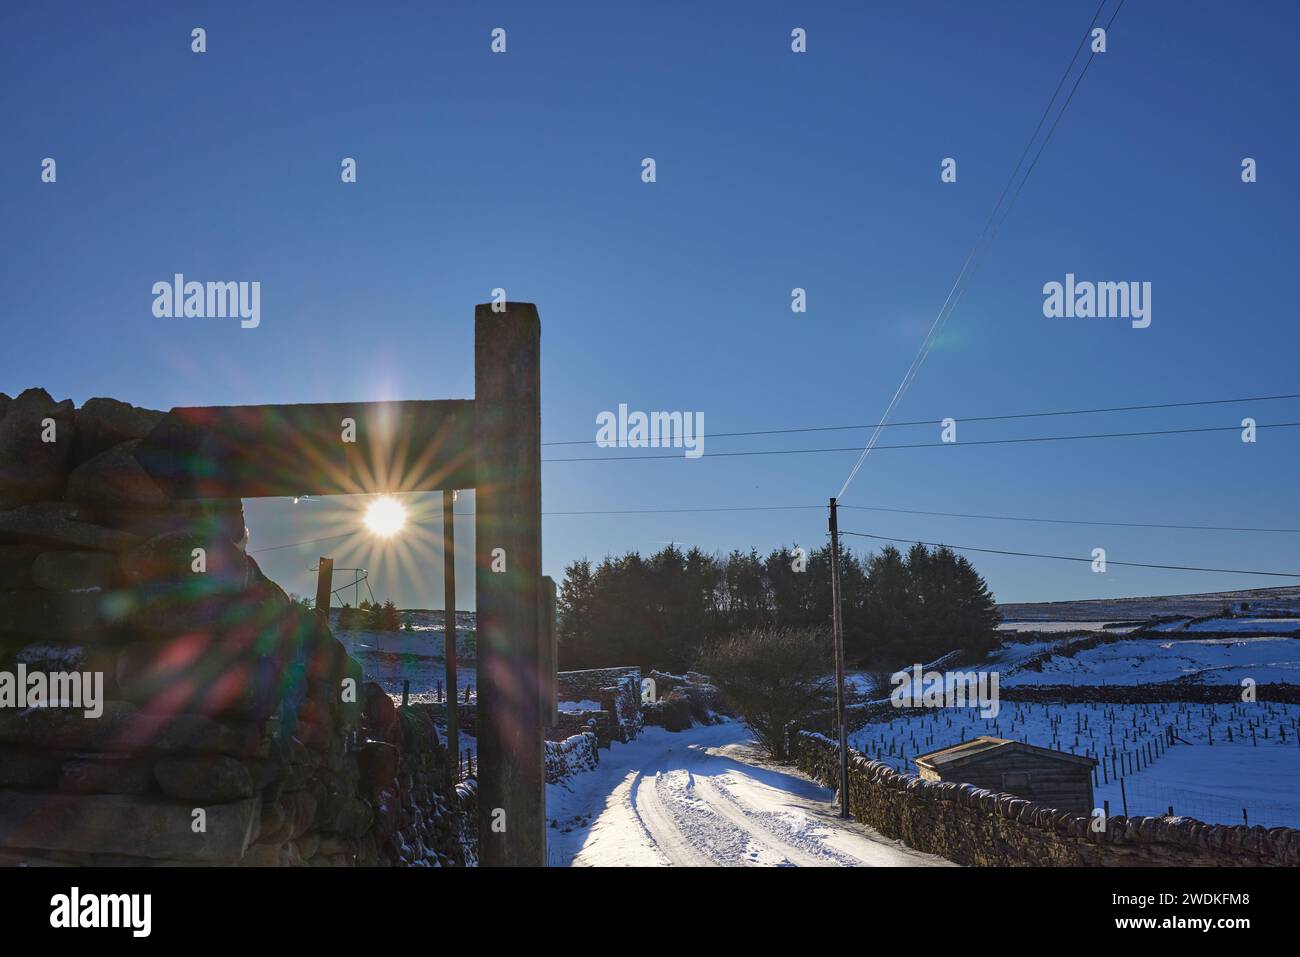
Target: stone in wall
32, 467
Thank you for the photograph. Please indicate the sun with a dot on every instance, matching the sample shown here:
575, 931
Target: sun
385, 517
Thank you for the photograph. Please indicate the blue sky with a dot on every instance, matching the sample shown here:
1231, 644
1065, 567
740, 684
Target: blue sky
775, 170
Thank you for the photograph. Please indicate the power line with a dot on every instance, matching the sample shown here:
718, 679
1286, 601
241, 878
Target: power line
692, 510
931, 445
1064, 107
927, 348
680, 511
983, 418
1043, 118
976, 253
1074, 558
310, 541
1074, 521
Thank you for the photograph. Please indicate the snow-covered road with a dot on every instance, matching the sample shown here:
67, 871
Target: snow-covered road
706, 797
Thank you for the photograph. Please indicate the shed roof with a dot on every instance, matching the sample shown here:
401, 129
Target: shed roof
979, 748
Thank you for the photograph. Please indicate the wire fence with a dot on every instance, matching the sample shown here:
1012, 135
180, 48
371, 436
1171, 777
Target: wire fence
1218, 763
1151, 797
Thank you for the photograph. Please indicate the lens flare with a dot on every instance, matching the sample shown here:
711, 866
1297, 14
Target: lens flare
385, 517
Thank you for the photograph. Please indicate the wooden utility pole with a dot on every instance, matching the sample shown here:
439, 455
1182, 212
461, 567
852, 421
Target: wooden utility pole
324, 587
838, 618
508, 578
449, 618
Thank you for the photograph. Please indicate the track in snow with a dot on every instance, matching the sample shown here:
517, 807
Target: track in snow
705, 797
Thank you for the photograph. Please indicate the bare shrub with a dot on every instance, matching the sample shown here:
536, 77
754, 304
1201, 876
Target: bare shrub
771, 677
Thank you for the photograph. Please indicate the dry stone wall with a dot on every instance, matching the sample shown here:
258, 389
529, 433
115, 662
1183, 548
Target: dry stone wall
1165, 692
618, 690
569, 723
588, 684
974, 826
215, 721
571, 756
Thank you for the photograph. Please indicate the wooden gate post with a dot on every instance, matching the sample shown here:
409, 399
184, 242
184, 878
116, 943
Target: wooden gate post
508, 568
449, 619
324, 588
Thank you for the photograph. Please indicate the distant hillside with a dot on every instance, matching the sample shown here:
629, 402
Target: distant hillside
1285, 598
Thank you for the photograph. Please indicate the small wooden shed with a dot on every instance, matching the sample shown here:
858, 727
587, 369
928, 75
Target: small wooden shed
1055, 778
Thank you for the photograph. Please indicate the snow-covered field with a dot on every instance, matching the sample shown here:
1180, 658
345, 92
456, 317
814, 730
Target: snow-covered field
1244, 625
1248, 626
1283, 599
706, 797
1223, 765
1148, 660
1051, 627
1014, 654
392, 657
1241, 625
1227, 762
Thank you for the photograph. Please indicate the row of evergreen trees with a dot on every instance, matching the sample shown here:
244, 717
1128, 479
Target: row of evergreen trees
372, 616
666, 610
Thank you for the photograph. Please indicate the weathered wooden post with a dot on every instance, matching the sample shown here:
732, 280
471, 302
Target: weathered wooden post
324, 586
508, 538
449, 616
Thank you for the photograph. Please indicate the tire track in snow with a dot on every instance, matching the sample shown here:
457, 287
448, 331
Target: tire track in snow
693, 824
645, 802
705, 797
768, 828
